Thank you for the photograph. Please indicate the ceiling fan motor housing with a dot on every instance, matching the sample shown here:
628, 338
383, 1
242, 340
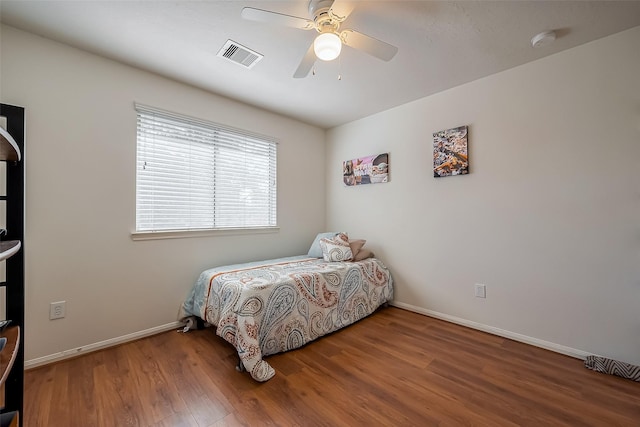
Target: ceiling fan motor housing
324, 20
319, 6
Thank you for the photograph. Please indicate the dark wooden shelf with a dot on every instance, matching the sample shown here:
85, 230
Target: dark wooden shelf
12, 355
9, 352
9, 248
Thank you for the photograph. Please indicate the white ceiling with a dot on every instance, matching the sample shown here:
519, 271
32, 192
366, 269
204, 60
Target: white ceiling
441, 44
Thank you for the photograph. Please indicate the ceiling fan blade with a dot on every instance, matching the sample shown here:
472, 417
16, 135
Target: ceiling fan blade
341, 10
374, 47
276, 18
306, 64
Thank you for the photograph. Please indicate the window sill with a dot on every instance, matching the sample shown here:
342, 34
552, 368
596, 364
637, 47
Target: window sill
182, 234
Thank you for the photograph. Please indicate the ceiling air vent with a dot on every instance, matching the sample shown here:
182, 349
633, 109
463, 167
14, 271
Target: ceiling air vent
239, 54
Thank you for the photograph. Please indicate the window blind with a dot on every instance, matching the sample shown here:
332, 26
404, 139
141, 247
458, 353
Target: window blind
192, 174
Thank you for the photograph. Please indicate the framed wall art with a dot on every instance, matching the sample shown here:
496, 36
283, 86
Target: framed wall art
366, 170
450, 152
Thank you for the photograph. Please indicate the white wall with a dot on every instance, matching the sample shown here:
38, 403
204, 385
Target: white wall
548, 218
80, 154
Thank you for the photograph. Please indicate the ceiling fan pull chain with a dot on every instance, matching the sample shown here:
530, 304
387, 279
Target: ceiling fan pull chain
339, 68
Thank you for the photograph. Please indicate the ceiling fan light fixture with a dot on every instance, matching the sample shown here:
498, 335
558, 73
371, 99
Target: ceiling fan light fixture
327, 46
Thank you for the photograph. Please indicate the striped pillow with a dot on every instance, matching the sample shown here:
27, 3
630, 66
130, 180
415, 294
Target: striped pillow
337, 248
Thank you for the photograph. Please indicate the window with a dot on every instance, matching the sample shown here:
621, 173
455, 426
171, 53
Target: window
194, 175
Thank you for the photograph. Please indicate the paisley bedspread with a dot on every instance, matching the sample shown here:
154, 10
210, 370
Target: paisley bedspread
279, 305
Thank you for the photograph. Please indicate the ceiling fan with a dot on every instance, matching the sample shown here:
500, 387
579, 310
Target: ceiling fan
327, 17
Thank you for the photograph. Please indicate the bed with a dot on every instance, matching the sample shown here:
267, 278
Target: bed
268, 307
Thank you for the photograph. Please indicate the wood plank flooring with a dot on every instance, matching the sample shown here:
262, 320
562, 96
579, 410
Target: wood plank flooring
394, 368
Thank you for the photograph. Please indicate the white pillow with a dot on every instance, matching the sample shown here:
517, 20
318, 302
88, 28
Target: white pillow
315, 251
336, 249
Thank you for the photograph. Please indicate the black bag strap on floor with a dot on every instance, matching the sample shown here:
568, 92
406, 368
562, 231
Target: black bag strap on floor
613, 367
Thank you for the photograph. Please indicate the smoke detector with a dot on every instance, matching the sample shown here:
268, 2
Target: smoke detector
543, 39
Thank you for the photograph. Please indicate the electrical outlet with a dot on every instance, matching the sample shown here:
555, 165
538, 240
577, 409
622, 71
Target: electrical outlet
57, 310
481, 290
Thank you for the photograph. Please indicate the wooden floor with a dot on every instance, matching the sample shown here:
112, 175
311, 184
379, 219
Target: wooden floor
394, 368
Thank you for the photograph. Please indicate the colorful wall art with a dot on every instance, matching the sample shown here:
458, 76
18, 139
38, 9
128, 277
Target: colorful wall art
366, 170
450, 154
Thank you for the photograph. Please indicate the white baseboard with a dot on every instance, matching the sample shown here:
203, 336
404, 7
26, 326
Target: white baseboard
56, 357
578, 354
